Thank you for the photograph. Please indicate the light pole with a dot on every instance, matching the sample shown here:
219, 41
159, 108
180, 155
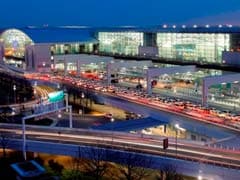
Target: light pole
66, 95
112, 120
200, 175
24, 139
176, 127
82, 103
59, 114
14, 93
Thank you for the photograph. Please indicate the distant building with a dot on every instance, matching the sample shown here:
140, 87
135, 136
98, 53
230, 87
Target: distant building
199, 44
34, 48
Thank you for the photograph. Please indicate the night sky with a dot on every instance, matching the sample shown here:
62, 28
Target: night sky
118, 12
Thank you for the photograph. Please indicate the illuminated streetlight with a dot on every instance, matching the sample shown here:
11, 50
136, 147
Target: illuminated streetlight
164, 26
59, 115
175, 90
199, 177
82, 103
14, 93
112, 120
177, 127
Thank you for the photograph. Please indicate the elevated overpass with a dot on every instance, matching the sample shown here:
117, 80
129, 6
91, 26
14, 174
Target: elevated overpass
208, 81
153, 72
189, 159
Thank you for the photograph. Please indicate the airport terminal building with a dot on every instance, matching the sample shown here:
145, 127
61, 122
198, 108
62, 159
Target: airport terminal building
195, 44
34, 48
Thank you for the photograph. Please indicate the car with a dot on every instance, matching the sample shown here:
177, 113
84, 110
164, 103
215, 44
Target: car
108, 115
8, 111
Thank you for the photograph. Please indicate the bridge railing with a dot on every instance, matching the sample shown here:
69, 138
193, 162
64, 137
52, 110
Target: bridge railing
41, 108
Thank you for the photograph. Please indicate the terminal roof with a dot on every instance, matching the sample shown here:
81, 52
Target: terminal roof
58, 34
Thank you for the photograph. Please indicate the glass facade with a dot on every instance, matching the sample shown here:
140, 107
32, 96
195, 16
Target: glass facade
75, 48
15, 42
125, 43
201, 47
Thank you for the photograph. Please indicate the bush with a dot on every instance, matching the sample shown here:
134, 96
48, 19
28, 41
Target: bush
55, 167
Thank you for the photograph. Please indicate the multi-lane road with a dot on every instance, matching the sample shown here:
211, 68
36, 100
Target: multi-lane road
130, 142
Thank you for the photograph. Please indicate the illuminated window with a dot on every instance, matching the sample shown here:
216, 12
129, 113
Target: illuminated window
126, 43
206, 47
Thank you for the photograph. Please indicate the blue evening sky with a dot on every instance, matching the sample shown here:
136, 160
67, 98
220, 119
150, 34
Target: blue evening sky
117, 12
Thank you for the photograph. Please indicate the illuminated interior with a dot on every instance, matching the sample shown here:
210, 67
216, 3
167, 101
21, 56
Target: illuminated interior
14, 42
205, 47
126, 43
201, 47
71, 48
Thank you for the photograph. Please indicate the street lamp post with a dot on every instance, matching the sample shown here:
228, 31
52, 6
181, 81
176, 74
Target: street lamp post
24, 139
176, 137
200, 175
112, 120
14, 93
178, 128
66, 99
82, 103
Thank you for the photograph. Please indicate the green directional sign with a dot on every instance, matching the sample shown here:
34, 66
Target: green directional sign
56, 96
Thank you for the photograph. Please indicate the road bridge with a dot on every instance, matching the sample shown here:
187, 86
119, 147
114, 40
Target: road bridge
189, 159
154, 72
212, 80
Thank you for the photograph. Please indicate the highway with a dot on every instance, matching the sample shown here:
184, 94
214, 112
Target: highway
159, 110
191, 110
128, 142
